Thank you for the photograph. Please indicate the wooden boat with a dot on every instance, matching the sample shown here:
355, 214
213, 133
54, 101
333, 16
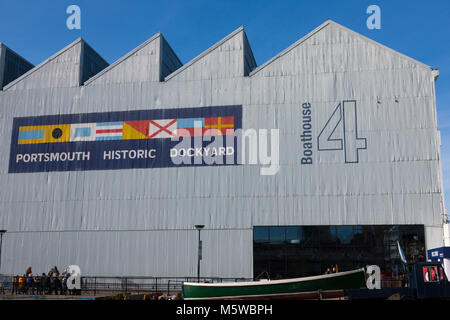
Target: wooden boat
323, 286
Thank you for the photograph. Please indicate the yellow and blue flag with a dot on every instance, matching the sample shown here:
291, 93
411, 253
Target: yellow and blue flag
44, 134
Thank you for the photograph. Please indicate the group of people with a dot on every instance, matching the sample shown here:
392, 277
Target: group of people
51, 283
333, 269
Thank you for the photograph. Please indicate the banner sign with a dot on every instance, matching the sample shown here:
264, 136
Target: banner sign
128, 139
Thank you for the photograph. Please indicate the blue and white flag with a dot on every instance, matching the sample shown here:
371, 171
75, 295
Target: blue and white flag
402, 254
82, 132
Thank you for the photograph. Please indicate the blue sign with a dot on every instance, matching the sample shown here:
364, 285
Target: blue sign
129, 139
438, 254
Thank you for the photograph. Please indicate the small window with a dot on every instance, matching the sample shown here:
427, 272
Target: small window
430, 274
441, 273
294, 235
277, 234
261, 234
344, 235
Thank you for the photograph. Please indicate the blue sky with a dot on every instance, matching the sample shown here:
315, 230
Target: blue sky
419, 29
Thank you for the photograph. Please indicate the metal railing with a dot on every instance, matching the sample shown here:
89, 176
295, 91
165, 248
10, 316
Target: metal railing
95, 285
144, 284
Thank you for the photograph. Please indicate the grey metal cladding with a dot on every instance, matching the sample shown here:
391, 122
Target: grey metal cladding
12, 65
141, 221
91, 64
169, 60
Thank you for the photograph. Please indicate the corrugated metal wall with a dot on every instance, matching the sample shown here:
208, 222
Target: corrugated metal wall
12, 65
141, 221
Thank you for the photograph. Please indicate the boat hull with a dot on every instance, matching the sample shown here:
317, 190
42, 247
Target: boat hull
331, 285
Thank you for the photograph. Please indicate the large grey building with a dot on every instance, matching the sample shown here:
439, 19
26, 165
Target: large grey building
88, 174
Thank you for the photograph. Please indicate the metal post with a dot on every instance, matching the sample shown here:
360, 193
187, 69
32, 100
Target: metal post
168, 288
1, 243
199, 255
199, 227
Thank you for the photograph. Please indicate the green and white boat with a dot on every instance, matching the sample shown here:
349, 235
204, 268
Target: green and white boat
323, 286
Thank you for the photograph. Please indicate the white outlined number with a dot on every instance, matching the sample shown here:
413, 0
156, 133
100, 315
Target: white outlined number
341, 132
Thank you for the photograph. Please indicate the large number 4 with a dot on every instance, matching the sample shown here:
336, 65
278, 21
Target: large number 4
341, 132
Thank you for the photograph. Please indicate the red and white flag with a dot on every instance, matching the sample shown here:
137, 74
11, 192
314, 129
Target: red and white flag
165, 128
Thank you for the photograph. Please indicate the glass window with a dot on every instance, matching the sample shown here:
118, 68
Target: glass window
344, 235
294, 235
411, 239
430, 274
327, 236
261, 234
369, 238
277, 269
277, 234
358, 237
296, 251
311, 236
